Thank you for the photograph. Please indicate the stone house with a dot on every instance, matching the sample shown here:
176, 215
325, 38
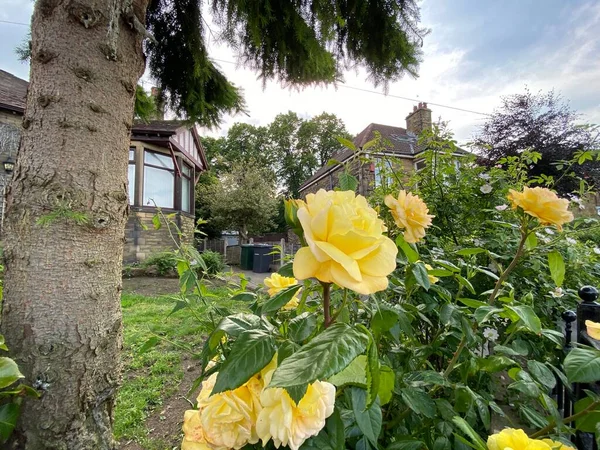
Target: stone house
400, 147
165, 161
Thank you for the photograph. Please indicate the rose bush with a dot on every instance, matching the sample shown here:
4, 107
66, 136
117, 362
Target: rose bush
419, 346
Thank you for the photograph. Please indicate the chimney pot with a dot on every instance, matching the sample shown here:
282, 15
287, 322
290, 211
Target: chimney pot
424, 105
415, 108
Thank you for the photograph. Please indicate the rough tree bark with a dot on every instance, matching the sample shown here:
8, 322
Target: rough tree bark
66, 211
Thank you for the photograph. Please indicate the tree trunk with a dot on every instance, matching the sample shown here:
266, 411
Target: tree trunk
66, 211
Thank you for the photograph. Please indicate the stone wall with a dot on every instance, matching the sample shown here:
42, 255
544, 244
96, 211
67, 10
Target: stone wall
142, 240
14, 119
10, 135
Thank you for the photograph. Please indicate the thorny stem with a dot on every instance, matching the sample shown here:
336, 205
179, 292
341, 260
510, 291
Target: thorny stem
326, 305
512, 265
547, 429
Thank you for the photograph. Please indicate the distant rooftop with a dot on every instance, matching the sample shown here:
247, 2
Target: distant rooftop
13, 92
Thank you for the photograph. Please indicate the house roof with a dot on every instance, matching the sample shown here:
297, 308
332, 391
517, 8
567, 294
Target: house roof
13, 92
157, 127
399, 140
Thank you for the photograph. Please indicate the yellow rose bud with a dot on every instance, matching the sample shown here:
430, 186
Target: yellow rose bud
432, 279
410, 214
288, 424
345, 242
593, 329
277, 283
543, 204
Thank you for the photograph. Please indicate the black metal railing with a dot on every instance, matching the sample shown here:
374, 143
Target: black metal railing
567, 396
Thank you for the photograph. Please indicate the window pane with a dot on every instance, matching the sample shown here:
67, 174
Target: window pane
186, 170
131, 154
131, 182
185, 194
159, 186
156, 159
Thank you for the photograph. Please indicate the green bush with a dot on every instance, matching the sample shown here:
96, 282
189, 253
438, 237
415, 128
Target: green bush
214, 262
165, 262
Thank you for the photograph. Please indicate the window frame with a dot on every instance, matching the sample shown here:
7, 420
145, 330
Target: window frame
172, 171
184, 165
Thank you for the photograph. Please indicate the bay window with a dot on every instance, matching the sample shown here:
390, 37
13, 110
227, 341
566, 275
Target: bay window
159, 180
131, 176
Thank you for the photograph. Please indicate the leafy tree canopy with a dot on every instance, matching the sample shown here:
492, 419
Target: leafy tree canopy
545, 123
298, 43
241, 199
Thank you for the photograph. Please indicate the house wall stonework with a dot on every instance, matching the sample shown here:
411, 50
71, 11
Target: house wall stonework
142, 240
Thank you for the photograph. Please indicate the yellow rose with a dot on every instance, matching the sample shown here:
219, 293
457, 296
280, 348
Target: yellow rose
410, 214
543, 204
593, 329
557, 445
193, 433
432, 279
345, 243
289, 424
277, 283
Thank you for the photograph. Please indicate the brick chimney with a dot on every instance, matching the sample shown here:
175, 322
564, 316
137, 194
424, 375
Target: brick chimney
419, 119
160, 104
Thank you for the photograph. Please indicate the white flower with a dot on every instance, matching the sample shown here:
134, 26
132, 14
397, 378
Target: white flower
486, 188
484, 176
437, 252
597, 251
581, 206
493, 267
490, 334
571, 241
501, 207
557, 293
478, 242
549, 231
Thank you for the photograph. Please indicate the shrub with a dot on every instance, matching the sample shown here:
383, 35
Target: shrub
164, 262
214, 262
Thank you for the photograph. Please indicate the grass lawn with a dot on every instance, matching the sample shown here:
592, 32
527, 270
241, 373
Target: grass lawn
153, 380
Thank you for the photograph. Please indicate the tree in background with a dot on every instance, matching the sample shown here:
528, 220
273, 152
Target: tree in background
61, 313
319, 135
242, 199
545, 123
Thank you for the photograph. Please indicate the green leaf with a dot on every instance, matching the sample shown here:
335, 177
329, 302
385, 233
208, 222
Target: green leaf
9, 413
325, 355
420, 272
410, 250
302, 326
2, 342
280, 299
541, 373
588, 422
150, 343
252, 351
528, 317
418, 401
236, 324
484, 411
463, 425
466, 283
471, 303
406, 443
485, 313
372, 371
582, 365
244, 297
557, 267
387, 379
287, 270
531, 242
368, 420
440, 272
156, 222
493, 364
9, 372
348, 182
353, 375
528, 388
346, 143
383, 320
471, 251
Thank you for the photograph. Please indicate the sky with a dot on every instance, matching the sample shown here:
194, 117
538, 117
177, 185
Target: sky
475, 53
